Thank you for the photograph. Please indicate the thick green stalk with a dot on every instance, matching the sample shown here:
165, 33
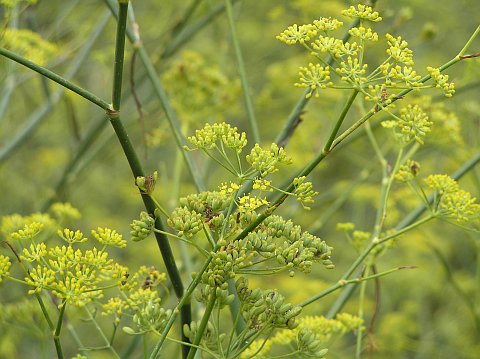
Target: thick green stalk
55, 77
136, 167
203, 325
162, 96
243, 75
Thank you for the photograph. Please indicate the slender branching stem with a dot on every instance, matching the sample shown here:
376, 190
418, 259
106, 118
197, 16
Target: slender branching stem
55, 77
243, 75
203, 325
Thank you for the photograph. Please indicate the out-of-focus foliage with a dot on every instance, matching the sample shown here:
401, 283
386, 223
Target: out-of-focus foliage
428, 312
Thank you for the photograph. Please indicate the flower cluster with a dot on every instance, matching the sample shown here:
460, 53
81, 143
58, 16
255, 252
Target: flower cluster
5, 265
450, 201
412, 125
267, 161
398, 50
314, 77
109, 237
210, 136
142, 228
288, 244
345, 63
303, 191
408, 171
266, 308
441, 81
365, 34
300, 34
73, 275
362, 12
308, 336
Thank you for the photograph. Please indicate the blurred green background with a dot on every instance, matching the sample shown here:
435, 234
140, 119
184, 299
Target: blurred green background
424, 313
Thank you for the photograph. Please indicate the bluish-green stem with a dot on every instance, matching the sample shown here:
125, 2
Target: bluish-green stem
136, 167
55, 77
243, 75
188, 33
180, 25
162, 96
203, 325
41, 113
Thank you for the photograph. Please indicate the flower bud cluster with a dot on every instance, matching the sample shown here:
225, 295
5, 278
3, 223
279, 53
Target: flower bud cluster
303, 191
141, 228
267, 161
225, 263
266, 308
309, 345
210, 338
222, 297
287, 243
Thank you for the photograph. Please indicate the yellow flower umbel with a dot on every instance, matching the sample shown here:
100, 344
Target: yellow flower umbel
451, 202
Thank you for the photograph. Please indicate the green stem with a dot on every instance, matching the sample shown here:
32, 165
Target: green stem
469, 42
58, 329
343, 283
162, 96
358, 344
183, 301
243, 76
203, 325
55, 77
102, 334
188, 33
41, 113
119, 54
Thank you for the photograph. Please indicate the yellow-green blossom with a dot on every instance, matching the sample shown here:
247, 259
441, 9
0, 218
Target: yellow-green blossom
314, 77
29, 232
441, 81
71, 237
296, 33
109, 237
398, 50
327, 24
5, 265
365, 34
362, 12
